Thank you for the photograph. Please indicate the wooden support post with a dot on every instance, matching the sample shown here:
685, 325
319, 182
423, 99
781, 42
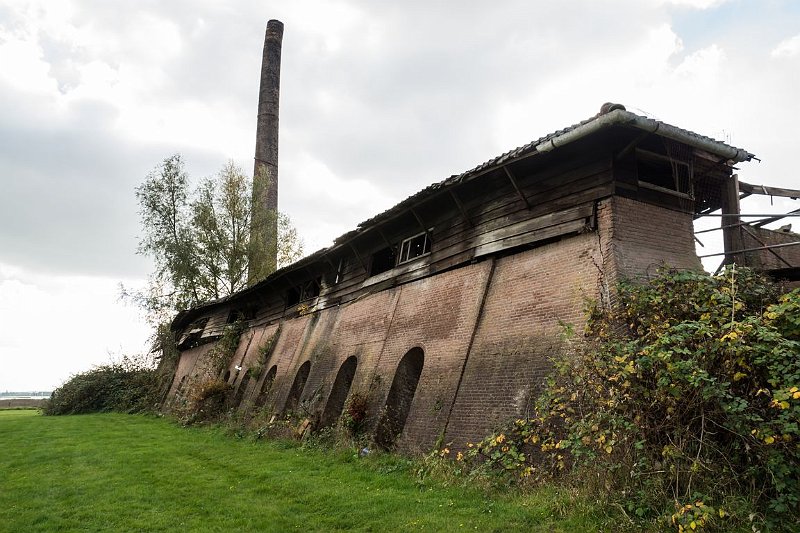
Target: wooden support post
461, 208
631, 146
287, 278
770, 250
328, 260
419, 220
732, 236
516, 187
385, 240
358, 257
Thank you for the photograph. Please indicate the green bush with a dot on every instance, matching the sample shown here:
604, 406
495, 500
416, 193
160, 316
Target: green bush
683, 396
128, 386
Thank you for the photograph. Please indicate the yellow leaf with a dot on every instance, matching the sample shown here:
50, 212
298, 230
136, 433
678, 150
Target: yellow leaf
693, 525
769, 440
739, 375
784, 404
796, 395
722, 513
609, 448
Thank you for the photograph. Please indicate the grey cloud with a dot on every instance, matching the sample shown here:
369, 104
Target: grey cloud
416, 109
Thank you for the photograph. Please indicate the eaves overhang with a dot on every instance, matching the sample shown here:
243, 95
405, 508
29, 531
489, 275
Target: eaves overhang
617, 117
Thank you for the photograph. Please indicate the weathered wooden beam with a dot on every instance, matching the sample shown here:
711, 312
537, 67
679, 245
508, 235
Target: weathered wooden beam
770, 250
461, 208
516, 186
775, 218
631, 145
419, 220
328, 260
731, 236
312, 276
383, 236
745, 250
768, 191
358, 257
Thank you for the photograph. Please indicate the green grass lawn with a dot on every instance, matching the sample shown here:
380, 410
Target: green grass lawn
114, 472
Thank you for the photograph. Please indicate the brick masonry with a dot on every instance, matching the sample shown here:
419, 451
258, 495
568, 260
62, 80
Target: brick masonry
487, 329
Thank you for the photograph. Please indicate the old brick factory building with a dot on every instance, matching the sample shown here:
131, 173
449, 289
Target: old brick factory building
444, 310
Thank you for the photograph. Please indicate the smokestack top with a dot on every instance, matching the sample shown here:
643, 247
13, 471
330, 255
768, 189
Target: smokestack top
274, 27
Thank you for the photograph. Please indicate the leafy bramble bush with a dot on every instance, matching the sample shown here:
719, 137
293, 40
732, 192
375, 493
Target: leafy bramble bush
209, 401
355, 413
688, 391
128, 386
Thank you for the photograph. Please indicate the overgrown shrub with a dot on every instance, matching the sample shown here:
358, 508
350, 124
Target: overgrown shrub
684, 396
209, 401
354, 414
131, 385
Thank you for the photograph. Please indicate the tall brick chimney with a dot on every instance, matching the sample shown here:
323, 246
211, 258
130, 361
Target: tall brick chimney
262, 256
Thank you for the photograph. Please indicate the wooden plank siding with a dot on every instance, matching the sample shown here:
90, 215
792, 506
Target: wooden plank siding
562, 201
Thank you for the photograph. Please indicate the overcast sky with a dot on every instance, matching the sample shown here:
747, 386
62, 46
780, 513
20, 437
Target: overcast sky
378, 100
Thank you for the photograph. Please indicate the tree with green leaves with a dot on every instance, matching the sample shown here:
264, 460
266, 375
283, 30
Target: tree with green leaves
198, 237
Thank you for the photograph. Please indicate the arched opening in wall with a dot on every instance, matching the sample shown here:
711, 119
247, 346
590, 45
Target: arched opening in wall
181, 387
242, 389
401, 395
293, 400
339, 392
266, 387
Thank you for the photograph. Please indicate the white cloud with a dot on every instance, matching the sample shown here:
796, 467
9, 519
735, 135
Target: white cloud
787, 48
51, 327
694, 4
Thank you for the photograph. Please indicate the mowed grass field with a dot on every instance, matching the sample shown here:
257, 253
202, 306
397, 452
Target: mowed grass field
114, 472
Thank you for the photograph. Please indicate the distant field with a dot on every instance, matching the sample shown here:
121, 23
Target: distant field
21, 403
134, 473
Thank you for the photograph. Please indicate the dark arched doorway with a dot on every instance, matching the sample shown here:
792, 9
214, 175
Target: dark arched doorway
293, 400
242, 389
339, 391
266, 386
401, 395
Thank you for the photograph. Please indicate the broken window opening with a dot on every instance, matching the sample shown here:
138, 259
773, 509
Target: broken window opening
382, 261
305, 291
193, 334
414, 247
296, 392
339, 392
241, 314
401, 396
671, 174
339, 271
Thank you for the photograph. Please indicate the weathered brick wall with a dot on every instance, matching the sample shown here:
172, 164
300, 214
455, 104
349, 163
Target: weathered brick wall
639, 238
487, 329
192, 368
778, 258
437, 314
532, 295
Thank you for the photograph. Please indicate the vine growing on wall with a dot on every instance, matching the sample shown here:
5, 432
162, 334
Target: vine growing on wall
682, 400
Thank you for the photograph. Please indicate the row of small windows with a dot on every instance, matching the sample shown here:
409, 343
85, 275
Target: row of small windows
382, 261
409, 249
